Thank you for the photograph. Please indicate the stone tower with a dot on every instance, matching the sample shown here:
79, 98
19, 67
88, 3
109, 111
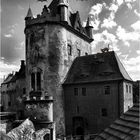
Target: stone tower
53, 40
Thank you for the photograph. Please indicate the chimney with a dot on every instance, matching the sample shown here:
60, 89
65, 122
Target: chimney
22, 63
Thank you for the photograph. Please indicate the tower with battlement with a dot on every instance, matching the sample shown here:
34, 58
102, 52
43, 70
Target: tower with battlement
53, 40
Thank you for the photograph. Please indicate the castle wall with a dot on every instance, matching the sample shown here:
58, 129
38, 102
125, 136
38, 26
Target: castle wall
46, 49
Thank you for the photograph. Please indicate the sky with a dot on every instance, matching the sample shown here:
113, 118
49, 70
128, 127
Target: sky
115, 22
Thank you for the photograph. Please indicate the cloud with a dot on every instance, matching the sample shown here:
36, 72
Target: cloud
133, 67
136, 26
8, 35
104, 39
94, 14
138, 14
108, 23
124, 35
5, 68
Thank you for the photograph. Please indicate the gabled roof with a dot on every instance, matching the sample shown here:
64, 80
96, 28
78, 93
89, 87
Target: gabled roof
96, 68
8, 78
124, 128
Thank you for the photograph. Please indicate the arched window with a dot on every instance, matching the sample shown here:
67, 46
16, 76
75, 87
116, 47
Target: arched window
36, 74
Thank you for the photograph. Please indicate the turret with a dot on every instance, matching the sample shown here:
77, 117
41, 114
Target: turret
29, 14
63, 10
89, 28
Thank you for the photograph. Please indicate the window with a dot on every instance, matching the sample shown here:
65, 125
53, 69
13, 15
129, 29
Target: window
76, 91
38, 81
107, 89
84, 91
69, 49
33, 81
86, 53
24, 91
104, 112
127, 88
78, 52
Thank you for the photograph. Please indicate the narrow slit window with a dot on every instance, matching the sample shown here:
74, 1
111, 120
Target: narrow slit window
33, 81
69, 49
38, 81
78, 52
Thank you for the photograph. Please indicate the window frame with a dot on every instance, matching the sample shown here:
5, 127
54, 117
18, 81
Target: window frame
104, 112
107, 90
84, 91
76, 91
69, 49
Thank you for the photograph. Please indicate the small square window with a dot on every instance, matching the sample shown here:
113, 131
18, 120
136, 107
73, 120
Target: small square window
104, 112
69, 49
78, 52
107, 89
84, 91
86, 53
76, 91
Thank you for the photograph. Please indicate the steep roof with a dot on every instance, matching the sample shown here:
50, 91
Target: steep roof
124, 128
73, 18
96, 68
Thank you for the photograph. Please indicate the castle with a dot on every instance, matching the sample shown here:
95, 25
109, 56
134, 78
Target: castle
53, 40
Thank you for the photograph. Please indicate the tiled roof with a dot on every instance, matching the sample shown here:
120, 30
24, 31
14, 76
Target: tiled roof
96, 68
124, 128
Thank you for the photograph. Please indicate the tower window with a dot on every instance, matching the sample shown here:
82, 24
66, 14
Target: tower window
78, 52
104, 112
107, 89
69, 49
33, 81
38, 81
84, 91
76, 91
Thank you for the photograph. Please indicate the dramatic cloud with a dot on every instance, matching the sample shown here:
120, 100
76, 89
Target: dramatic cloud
125, 35
136, 26
94, 15
5, 68
133, 67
